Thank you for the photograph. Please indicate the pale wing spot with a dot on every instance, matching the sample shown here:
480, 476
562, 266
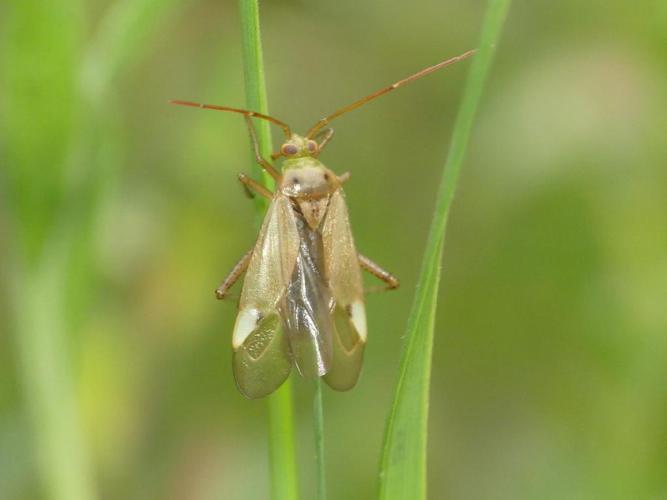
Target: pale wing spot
246, 322
358, 317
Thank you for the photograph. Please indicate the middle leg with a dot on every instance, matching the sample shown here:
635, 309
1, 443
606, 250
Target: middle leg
326, 135
233, 276
390, 280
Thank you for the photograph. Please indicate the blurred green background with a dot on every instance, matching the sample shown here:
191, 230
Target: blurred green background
120, 214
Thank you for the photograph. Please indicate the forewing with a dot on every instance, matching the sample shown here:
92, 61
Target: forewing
306, 307
261, 351
348, 311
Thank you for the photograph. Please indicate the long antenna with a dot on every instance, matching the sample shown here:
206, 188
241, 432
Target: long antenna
325, 121
246, 112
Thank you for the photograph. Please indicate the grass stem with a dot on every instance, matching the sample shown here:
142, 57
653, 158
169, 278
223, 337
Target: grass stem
318, 422
284, 484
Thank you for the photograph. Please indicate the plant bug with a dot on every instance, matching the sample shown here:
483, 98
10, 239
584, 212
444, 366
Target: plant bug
302, 300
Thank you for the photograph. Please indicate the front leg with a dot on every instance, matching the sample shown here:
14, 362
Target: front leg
234, 275
326, 135
344, 177
252, 185
390, 280
270, 169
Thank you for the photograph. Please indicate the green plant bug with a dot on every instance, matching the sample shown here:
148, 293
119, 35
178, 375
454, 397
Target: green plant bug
302, 301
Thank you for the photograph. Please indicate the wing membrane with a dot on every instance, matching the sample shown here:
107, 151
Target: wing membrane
347, 312
261, 356
306, 306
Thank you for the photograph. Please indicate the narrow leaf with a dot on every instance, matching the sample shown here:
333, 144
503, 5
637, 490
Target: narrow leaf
403, 465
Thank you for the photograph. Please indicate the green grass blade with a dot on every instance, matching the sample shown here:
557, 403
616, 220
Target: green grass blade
282, 454
318, 419
255, 87
40, 94
40, 113
403, 465
284, 484
41, 333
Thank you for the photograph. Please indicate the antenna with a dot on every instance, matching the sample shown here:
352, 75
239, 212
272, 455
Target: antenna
245, 112
325, 121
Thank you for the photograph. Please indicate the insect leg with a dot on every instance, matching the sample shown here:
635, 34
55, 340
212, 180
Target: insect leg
343, 178
390, 280
234, 275
258, 155
326, 135
252, 185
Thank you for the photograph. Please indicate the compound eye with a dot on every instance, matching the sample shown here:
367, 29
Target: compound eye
288, 149
312, 146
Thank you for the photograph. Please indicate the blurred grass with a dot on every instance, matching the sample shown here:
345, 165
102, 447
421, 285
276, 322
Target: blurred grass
59, 156
404, 457
39, 145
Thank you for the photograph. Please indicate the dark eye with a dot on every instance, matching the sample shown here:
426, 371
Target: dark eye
289, 149
312, 146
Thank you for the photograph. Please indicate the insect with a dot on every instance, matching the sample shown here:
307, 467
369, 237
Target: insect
302, 301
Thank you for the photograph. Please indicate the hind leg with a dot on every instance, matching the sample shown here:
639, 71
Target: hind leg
233, 276
389, 279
